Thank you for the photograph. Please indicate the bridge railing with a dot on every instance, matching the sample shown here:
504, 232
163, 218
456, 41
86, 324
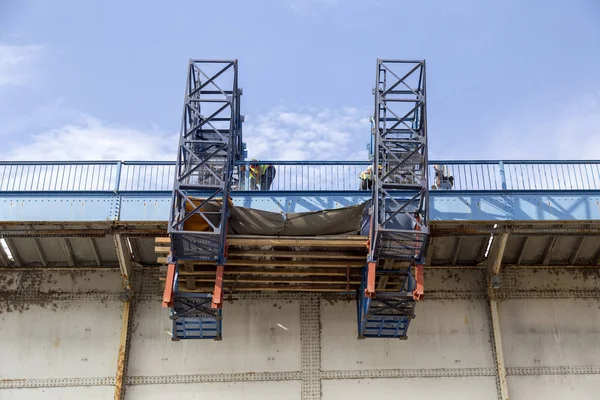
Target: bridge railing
119, 176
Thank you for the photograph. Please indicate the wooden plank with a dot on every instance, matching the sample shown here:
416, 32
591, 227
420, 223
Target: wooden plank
167, 240
272, 288
190, 282
292, 241
279, 263
297, 254
162, 250
239, 280
275, 272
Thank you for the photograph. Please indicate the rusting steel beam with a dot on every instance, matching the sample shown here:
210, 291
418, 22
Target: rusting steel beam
548, 252
89, 233
514, 231
122, 355
124, 257
497, 253
500, 364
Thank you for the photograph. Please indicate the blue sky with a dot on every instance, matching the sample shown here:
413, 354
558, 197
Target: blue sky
105, 79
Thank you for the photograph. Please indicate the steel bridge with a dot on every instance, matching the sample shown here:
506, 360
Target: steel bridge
224, 225
107, 214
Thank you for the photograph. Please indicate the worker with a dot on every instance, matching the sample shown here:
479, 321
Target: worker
366, 178
443, 177
261, 176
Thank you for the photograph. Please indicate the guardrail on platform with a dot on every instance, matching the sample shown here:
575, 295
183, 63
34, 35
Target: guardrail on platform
148, 176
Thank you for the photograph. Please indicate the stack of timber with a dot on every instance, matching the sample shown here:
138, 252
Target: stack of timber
267, 263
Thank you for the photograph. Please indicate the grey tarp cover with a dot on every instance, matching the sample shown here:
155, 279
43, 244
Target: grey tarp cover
249, 221
339, 221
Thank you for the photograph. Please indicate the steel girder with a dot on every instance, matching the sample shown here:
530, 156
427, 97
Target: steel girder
209, 143
399, 220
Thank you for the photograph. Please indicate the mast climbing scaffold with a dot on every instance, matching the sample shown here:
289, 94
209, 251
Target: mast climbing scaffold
398, 229
209, 144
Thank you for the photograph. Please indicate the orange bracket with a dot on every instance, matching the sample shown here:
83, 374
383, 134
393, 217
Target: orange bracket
168, 293
217, 297
419, 278
370, 290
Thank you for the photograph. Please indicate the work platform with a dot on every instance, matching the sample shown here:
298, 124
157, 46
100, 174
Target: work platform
108, 214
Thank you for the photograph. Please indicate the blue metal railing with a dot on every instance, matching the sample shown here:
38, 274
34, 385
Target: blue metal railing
115, 176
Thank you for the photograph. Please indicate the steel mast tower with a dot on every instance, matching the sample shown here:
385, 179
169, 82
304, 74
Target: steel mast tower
210, 142
399, 201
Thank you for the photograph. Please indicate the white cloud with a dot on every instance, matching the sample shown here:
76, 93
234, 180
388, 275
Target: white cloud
308, 134
90, 139
16, 62
281, 134
569, 132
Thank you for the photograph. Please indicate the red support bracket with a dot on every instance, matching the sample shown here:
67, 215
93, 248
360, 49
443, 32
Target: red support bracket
217, 296
419, 278
370, 290
169, 282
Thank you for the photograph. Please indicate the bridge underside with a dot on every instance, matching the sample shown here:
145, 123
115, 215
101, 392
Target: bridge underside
452, 243
487, 231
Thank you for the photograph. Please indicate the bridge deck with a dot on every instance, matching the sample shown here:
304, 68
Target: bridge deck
55, 216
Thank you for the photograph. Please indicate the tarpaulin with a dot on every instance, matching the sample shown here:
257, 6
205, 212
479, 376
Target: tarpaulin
248, 221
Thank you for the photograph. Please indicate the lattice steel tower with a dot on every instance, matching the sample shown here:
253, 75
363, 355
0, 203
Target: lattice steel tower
399, 202
209, 144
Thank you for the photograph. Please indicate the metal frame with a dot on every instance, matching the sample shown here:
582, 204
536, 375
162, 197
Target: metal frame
387, 315
399, 201
88, 177
400, 144
194, 318
209, 143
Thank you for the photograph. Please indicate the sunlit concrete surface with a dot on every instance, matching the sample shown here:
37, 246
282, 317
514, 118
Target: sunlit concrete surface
445, 334
551, 332
554, 387
59, 393
480, 388
57, 339
222, 391
259, 336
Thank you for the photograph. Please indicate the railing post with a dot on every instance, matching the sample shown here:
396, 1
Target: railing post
502, 176
118, 182
247, 176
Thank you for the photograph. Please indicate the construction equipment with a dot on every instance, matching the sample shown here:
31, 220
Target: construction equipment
382, 264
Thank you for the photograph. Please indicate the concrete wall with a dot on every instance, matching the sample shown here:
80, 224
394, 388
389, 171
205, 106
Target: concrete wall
60, 332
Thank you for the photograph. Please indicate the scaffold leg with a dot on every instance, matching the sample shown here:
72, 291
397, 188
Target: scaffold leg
169, 285
419, 282
370, 290
217, 296
388, 314
194, 318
